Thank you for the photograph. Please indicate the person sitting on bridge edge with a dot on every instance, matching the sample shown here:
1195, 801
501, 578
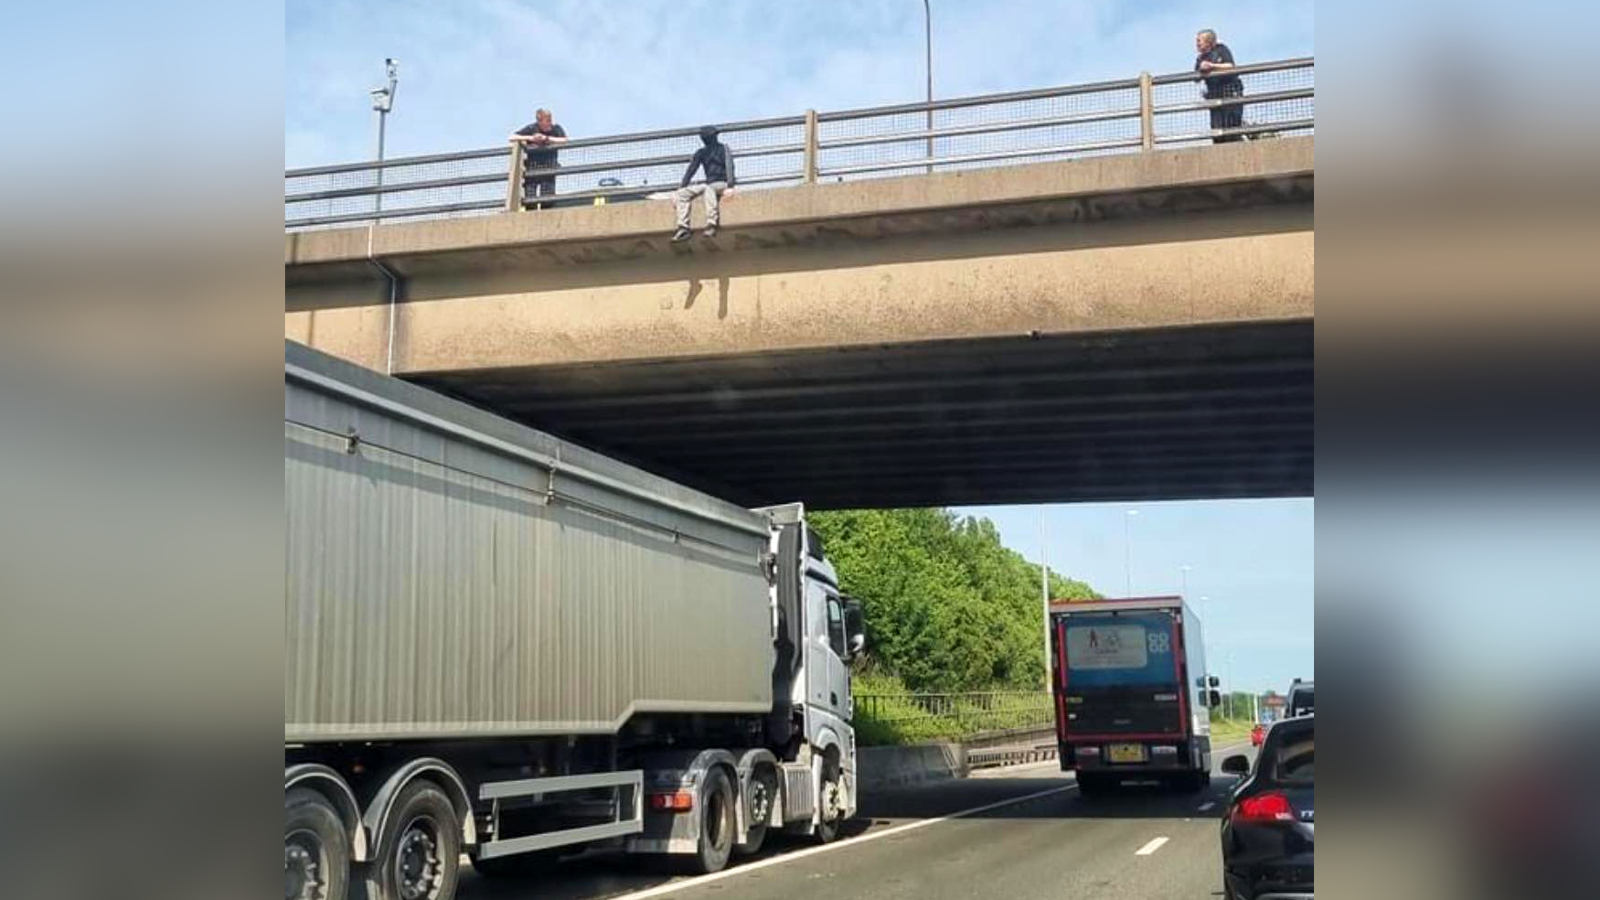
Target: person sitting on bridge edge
1215, 57
717, 160
539, 140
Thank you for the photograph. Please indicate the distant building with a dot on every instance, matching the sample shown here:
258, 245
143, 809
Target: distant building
1272, 706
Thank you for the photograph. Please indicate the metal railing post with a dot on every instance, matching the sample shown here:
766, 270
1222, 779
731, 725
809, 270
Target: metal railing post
514, 179
811, 147
1147, 115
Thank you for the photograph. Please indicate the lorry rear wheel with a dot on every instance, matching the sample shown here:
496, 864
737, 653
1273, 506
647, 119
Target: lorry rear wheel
420, 854
717, 825
316, 848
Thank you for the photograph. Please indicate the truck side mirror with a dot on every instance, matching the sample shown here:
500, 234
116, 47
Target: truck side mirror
854, 626
1214, 698
1215, 681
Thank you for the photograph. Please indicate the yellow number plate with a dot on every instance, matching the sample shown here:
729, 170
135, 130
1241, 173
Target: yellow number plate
1127, 753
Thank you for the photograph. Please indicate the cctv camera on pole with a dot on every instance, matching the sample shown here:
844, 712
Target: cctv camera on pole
382, 102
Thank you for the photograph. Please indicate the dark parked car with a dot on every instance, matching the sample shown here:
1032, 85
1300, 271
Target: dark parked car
1268, 834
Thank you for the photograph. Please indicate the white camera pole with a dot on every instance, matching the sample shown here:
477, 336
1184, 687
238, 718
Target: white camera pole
382, 102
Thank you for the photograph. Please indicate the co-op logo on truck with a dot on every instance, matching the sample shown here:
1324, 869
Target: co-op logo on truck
1121, 646
1110, 642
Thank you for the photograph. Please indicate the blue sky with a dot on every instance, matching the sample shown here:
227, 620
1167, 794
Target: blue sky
473, 70
1254, 559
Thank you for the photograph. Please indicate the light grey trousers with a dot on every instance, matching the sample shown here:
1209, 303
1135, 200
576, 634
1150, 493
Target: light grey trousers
684, 198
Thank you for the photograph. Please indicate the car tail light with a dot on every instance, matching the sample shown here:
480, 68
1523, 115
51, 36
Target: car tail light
681, 801
1272, 806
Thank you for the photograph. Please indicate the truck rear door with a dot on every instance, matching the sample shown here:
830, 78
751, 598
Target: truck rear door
1121, 677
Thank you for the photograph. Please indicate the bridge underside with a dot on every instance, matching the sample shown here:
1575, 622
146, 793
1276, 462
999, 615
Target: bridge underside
1189, 412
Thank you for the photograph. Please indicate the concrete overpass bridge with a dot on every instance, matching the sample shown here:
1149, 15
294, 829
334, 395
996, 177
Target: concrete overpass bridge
1117, 323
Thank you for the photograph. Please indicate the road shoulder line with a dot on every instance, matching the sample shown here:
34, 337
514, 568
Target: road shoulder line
673, 886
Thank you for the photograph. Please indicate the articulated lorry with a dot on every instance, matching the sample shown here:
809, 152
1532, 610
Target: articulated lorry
1132, 696
501, 644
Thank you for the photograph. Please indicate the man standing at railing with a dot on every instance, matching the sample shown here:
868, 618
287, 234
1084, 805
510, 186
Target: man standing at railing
1214, 61
539, 140
717, 160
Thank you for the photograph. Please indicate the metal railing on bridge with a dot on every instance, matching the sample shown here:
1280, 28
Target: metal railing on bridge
957, 714
1128, 116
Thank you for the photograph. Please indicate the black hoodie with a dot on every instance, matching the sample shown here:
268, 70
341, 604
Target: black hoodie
715, 157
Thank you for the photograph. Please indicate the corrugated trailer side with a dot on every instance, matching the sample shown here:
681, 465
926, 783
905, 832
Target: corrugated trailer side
452, 574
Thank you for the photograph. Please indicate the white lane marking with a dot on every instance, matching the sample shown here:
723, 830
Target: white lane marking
1151, 847
1206, 805
729, 872
1008, 771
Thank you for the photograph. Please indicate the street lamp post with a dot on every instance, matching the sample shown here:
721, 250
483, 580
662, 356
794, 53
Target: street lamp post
1230, 683
1044, 592
382, 102
927, 35
1127, 552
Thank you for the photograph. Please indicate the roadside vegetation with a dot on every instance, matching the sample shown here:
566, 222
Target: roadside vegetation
949, 610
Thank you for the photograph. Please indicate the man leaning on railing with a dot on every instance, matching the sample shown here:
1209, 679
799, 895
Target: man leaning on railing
1214, 59
539, 139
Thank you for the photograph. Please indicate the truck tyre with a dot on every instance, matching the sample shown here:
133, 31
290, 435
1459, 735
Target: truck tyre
717, 825
316, 848
829, 805
761, 795
420, 853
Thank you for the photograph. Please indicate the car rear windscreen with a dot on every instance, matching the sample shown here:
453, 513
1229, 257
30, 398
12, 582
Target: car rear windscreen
1294, 761
1301, 703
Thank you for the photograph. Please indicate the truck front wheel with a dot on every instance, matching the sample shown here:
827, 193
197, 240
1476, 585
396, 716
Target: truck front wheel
830, 803
717, 828
316, 848
420, 854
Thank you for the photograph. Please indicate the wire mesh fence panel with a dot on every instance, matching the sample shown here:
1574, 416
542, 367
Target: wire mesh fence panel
1040, 130
974, 135
485, 170
643, 166
1275, 103
956, 714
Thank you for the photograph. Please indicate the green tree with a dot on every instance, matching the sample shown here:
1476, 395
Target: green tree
947, 606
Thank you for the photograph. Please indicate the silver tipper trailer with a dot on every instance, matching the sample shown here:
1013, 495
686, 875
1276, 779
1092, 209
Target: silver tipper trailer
500, 643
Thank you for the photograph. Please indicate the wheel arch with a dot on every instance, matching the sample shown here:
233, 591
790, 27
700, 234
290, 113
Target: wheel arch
434, 769
327, 782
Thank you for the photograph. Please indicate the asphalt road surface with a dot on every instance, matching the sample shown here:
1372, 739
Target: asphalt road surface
1020, 834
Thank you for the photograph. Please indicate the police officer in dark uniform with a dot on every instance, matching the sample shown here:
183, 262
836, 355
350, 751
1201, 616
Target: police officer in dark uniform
1214, 60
